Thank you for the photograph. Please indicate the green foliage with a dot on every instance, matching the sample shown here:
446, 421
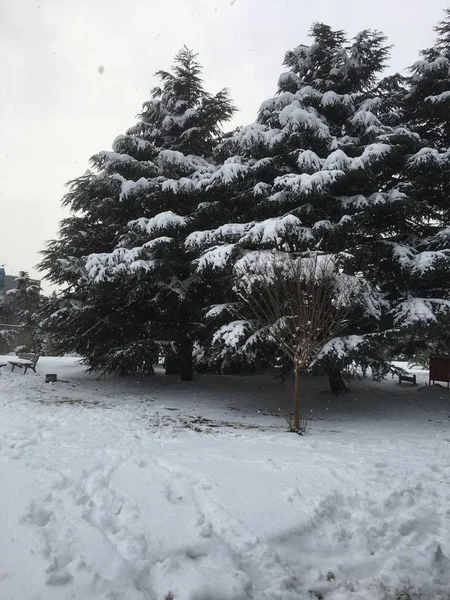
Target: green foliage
340, 162
128, 282
24, 309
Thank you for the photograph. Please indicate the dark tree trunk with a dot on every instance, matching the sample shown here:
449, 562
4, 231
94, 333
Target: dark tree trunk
151, 367
171, 363
296, 398
184, 359
337, 383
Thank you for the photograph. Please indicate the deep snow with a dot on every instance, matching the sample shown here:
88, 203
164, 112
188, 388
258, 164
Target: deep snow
152, 489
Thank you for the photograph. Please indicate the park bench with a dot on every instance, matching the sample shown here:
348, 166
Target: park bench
2, 364
409, 377
24, 361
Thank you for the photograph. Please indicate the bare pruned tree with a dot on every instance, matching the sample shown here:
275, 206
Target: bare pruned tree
302, 302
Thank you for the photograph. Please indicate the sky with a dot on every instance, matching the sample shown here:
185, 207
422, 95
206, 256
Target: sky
74, 74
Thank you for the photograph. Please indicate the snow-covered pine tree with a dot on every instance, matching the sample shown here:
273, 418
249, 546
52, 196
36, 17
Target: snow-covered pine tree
121, 254
422, 272
324, 169
25, 306
427, 104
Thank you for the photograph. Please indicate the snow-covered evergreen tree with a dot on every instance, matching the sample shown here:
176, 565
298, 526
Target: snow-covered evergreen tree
428, 101
121, 253
338, 164
421, 272
322, 171
25, 302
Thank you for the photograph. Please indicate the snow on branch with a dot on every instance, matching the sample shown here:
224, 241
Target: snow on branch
231, 169
217, 310
305, 183
164, 220
128, 185
111, 157
439, 98
288, 79
178, 185
188, 164
261, 189
105, 266
231, 232
427, 156
173, 157
422, 67
403, 254
419, 262
307, 92
197, 239
170, 120
330, 98
371, 152
232, 334
356, 202
379, 198
123, 141
426, 261
278, 230
256, 133
339, 347
216, 258
295, 115
337, 160
309, 161
365, 119
277, 102
420, 310
371, 104
323, 225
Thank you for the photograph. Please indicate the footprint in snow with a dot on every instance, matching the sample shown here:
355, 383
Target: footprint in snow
293, 495
206, 530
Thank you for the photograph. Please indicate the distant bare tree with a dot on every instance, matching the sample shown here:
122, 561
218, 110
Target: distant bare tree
302, 303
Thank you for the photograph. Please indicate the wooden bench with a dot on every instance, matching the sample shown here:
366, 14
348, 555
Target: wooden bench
409, 377
25, 361
2, 365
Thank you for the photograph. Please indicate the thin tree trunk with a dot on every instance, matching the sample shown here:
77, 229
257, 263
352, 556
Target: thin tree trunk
336, 381
34, 347
149, 369
171, 363
30, 331
296, 397
184, 359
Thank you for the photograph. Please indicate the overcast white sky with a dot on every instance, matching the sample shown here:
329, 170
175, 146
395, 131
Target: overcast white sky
57, 110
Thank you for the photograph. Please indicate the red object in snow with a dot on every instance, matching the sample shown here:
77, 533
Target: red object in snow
440, 369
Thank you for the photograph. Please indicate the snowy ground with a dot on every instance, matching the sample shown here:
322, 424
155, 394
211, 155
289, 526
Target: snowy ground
152, 489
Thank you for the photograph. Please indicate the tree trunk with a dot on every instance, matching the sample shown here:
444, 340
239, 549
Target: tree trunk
149, 370
296, 397
184, 359
171, 363
337, 383
33, 340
